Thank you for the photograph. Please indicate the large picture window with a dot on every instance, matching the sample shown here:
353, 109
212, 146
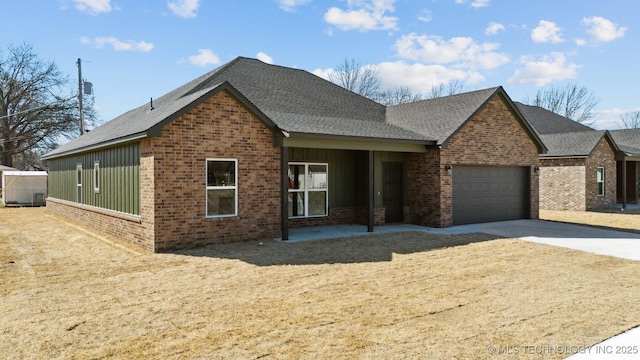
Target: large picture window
308, 190
600, 180
222, 190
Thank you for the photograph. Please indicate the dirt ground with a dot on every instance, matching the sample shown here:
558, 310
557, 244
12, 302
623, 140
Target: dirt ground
67, 293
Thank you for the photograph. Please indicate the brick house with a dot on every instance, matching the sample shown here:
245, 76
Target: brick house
578, 172
584, 169
249, 150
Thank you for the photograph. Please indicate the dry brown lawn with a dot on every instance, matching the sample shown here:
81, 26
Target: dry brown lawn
67, 293
611, 218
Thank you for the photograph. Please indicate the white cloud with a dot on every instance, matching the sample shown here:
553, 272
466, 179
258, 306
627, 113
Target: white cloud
552, 67
117, 45
462, 51
264, 58
291, 5
546, 31
581, 42
602, 29
420, 77
475, 3
204, 58
480, 3
425, 15
494, 28
184, 8
93, 7
363, 15
417, 77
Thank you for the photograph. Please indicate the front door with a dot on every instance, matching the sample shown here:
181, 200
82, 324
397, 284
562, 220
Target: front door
393, 191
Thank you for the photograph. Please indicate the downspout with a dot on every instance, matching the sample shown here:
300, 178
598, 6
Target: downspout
624, 181
371, 198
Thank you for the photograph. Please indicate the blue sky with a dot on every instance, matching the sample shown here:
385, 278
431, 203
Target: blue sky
136, 50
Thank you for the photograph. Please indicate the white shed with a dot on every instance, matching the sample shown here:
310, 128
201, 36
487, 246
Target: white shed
24, 187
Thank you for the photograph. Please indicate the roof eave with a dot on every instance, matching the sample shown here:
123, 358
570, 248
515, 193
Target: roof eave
99, 145
359, 138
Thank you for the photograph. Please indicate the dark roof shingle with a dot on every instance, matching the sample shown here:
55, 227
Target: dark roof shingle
547, 122
628, 140
572, 144
296, 102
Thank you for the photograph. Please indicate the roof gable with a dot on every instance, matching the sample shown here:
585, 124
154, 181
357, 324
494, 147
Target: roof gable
628, 140
441, 118
575, 144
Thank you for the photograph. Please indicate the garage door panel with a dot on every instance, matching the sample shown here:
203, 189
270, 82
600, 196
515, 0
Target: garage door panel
483, 194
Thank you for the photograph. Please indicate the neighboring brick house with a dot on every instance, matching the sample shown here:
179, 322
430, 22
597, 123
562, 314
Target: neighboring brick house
576, 151
578, 172
249, 150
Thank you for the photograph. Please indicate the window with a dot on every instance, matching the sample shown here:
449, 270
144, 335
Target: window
79, 183
222, 190
308, 191
600, 180
96, 176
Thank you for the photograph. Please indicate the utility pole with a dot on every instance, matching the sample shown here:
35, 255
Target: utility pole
80, 96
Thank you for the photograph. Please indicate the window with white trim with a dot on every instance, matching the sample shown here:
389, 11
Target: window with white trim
222, 189
79, 183
96, 176
308, 189
600, 180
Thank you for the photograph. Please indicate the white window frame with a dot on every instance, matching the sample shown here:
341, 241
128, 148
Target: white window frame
79, 183
306, 190
226, 187
96, 176
600, 180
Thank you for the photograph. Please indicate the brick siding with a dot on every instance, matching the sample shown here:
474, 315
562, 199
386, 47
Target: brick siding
220, 127
601, 156
125, 228
562, 184
570, 183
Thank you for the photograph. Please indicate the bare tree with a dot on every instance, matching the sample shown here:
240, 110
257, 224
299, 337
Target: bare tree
364, 80
37, 107
572, 101
352, 75
395, 96
453, 87
631, 120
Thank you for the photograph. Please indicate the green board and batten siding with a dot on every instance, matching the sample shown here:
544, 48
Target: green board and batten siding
348, 176
119, 178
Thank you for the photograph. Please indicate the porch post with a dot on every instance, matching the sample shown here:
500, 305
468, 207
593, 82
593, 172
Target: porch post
284, 192
370, 190
624, 182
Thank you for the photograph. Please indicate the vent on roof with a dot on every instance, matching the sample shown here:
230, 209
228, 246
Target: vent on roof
151, 105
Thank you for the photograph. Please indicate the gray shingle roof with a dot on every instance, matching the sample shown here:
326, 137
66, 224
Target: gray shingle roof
297, 102
439, 118
628, 140
572, 144
547, 122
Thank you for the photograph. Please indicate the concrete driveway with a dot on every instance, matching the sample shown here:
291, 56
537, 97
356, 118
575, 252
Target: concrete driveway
586, 238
